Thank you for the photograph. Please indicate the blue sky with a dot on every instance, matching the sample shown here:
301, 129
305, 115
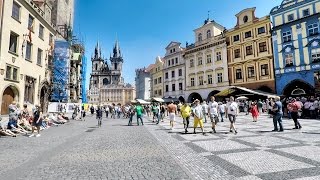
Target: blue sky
145, 27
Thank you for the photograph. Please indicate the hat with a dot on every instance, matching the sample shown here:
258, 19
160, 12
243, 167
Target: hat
14, 102
197, 100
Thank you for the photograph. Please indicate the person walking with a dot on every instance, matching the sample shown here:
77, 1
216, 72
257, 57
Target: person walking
277, 114
222, 109
205, 110
162, 112
232, 112
185, 114
99, 116
294, 108
139, 111
259, 105
37, 121
254, 111
107, 111
130, 114
198, 116
213, 113
172, 109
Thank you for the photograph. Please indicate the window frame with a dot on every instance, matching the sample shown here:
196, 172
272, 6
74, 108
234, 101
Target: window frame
173, 87
208, 34
209, 58
305, 10
199, 37
192, 82
31, 26
173, 74
16, 42
191, 63
218, 56
262, 48
200, 63
265, 70
236, 39
28, 44
251, 72
314, 27
262, 32
287, 36
248, 34
286, 59
180, 72
315, 56
249, 51
180, 86
210, 79
238, 73
167, 88
201, 81
41, 31
219, 77
10, 73
290, 17
13, 14
237, 53
166, 75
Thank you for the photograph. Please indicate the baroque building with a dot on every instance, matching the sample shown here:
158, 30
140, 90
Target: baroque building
106, 82
27, 36
156, 72
174, 72
250, 54
296, 45
206, 62
143, 82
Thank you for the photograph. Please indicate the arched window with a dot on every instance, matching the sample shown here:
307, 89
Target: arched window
208, 34
199, 37
105, 81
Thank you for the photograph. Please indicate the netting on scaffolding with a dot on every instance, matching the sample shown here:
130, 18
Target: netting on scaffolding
60, 77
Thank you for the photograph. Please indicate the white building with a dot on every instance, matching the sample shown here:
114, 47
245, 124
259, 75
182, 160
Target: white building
206, 62
26, 52
174, 72
143, 82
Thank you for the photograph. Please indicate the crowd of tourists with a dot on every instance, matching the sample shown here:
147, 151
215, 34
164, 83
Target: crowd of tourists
23, 121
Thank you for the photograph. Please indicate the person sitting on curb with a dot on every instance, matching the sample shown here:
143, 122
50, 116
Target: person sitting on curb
4, 131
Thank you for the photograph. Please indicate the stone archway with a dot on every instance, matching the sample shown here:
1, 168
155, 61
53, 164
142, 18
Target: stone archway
212, 93
181, 99
194, 96
44, 97
9, 95
292, 87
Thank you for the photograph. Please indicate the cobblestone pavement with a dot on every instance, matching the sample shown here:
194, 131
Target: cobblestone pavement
80, 150
254, 153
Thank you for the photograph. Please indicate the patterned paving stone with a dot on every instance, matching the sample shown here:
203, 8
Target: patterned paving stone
266, 141
192, 137
254, 164
309, 178
307, 137
310, 152
220, 145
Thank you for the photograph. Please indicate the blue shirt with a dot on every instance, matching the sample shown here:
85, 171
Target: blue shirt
278, 106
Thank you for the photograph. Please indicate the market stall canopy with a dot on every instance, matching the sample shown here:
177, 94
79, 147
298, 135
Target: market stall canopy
141, 101
242, 98
231, 89
133, 101
157, 99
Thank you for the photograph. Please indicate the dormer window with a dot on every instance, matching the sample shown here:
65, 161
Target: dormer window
208, 34
199, 37
245, 19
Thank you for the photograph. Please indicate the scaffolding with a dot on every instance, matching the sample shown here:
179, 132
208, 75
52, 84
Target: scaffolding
84, 79
60, 72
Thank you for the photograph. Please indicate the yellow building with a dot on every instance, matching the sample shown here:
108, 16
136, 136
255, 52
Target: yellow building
250, 55
157, 78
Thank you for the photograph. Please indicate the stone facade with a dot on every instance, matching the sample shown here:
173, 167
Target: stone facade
206, 62
250, 55
174, 72
296, 45
156, 89
143, 82
106, 82
25, 55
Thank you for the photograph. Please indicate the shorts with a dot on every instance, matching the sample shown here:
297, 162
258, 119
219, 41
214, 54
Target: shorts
232, 118
196, 122
214, 118
172, 116
34, 123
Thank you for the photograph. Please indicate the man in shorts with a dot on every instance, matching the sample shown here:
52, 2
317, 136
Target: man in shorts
232, 112
198, 116
37, 121
213, 113
172, 110
185, 114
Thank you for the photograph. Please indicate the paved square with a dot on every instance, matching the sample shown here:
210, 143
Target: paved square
310, 152
266, 141
303, 136
258, 162
192, 137
220, 145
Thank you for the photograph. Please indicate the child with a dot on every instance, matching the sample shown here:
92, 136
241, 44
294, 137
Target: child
254, 111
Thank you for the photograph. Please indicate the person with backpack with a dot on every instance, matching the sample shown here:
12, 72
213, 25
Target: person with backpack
294, 108
99, 116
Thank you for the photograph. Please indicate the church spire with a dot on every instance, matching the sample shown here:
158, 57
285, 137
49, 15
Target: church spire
116, 50
97, 51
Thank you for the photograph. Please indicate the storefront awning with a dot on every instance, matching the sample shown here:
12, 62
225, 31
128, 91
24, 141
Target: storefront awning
233, 89
141, 101
157, 99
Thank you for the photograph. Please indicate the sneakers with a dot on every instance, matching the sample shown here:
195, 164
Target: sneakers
32, 135
38, 135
